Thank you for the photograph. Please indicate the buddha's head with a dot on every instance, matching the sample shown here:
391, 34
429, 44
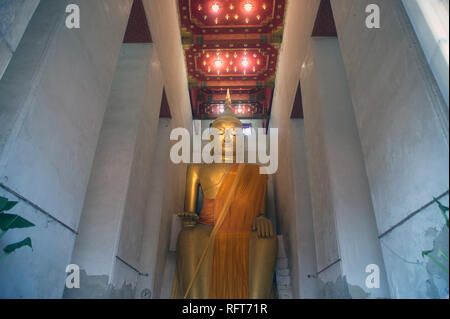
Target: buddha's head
227, 124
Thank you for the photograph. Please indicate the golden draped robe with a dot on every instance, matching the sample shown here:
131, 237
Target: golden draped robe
232, 214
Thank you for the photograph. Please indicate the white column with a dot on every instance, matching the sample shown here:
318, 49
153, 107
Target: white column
344, 221
155, 209
303, 225
112, 224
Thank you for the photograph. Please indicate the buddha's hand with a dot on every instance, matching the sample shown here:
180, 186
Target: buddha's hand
189, 219
263, 227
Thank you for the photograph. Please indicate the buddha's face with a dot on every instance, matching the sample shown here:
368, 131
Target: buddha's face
227, 129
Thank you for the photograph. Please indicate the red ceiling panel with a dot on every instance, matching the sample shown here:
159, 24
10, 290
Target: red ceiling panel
231, 44
231, 16
324, 25
137, 28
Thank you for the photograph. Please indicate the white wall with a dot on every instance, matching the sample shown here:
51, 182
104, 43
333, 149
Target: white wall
402, 122
52, 101
430, 21
37, 272
55, 129
403, 125
14, 18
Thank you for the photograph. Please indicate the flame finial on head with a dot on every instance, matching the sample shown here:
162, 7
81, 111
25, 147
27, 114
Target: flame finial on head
228, 106
227, 119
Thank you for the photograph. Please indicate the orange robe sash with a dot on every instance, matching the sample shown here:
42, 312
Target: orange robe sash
230, 268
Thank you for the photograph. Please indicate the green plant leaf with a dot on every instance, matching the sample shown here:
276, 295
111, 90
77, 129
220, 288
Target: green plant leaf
10, 248
427, 253
442, 207
444, 210
3, 202
442, 254
9, 205
11, 221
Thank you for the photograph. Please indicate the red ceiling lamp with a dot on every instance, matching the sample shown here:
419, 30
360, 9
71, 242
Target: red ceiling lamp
239, 110
215, 7
248, 6
218, 63
241, 62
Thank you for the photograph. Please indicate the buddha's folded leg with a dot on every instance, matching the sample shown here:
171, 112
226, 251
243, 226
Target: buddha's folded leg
262, 258
190, 246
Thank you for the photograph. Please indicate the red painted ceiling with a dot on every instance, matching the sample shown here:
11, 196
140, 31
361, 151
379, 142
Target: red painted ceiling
164, 111
231, 44
137, 28
324, 25
297, 108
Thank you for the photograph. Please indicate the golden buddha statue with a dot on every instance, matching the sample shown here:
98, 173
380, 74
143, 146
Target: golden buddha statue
229, 250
